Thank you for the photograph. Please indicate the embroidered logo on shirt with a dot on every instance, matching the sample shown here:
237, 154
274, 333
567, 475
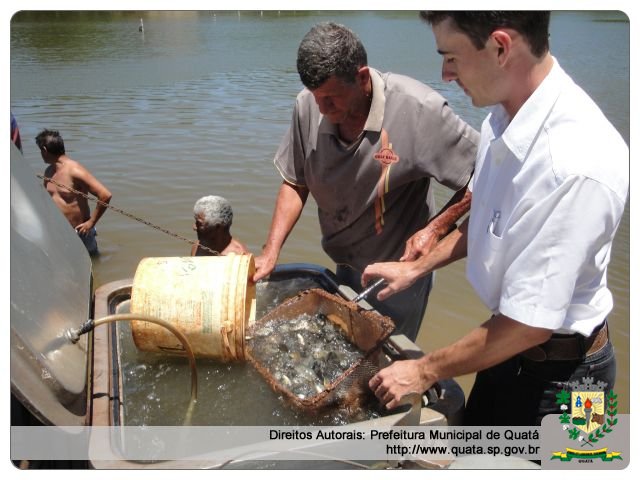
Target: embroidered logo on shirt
387, 157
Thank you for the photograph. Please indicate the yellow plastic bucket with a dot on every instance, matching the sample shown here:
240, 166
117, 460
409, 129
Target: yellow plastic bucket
210, 299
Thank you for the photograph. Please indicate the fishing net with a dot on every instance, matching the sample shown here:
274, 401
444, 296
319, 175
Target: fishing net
318, 350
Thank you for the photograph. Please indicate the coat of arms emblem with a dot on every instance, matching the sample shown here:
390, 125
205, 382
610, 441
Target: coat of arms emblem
588, 414
588, 408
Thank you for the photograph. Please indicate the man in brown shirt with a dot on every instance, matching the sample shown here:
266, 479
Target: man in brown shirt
367, 145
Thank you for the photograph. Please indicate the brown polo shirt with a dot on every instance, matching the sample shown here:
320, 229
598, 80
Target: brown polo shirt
375, 193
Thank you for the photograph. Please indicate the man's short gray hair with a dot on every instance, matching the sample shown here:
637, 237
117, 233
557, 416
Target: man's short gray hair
215, 210
329, 49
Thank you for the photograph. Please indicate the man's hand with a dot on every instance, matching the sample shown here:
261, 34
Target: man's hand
398, 379
399, 276
420, 243
265, 264
85, 227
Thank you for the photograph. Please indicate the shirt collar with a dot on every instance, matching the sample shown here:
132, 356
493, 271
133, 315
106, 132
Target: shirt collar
376, 112
519, 134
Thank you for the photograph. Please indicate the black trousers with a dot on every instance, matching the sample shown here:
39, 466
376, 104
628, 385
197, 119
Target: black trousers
521, 392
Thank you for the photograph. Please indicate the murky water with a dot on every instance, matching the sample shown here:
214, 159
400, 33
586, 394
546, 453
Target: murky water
198, 103
155, 388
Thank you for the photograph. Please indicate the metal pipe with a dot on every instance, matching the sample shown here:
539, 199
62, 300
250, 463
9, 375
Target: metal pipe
365, 293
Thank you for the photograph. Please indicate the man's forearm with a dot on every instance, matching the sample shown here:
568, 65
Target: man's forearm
450, 249
401, 275
456, 207
97, 213
105, 198
495, 341
424, 241
289, 205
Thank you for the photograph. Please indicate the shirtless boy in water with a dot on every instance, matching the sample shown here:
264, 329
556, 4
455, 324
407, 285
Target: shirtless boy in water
66, 171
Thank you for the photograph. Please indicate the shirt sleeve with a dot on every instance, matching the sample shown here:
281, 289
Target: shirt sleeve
290, 156
559, 250
446, 145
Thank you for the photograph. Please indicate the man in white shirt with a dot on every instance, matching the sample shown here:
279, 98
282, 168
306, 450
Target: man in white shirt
538, 239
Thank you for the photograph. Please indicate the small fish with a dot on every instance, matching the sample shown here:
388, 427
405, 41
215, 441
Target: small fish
264, 332
295, 356
319, 354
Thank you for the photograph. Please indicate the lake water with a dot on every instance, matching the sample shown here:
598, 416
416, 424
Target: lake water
197, 105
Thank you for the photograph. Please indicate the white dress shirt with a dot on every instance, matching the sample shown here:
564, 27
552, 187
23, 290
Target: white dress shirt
549, 191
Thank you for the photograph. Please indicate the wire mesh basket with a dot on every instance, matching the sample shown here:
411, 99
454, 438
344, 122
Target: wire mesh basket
363, 329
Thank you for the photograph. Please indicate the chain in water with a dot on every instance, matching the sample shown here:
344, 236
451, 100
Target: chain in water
126, 214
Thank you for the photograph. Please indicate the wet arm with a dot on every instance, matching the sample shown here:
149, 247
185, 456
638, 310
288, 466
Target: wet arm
289, 204
105, 197
423, 241
401, 275
96, 188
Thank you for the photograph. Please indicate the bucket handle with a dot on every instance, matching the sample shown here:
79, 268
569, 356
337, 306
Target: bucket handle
225, 340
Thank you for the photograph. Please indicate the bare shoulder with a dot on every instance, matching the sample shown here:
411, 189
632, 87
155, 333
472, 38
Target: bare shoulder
75, 168
49, 170
83, 176
236, 247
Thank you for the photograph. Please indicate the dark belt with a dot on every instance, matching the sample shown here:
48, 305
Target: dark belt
569, 347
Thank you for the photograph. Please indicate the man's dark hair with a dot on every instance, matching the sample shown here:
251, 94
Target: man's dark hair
533, 25
329, 49
51, 140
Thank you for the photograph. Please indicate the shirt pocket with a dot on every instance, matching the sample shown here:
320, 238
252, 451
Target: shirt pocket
494, 221
491, 255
